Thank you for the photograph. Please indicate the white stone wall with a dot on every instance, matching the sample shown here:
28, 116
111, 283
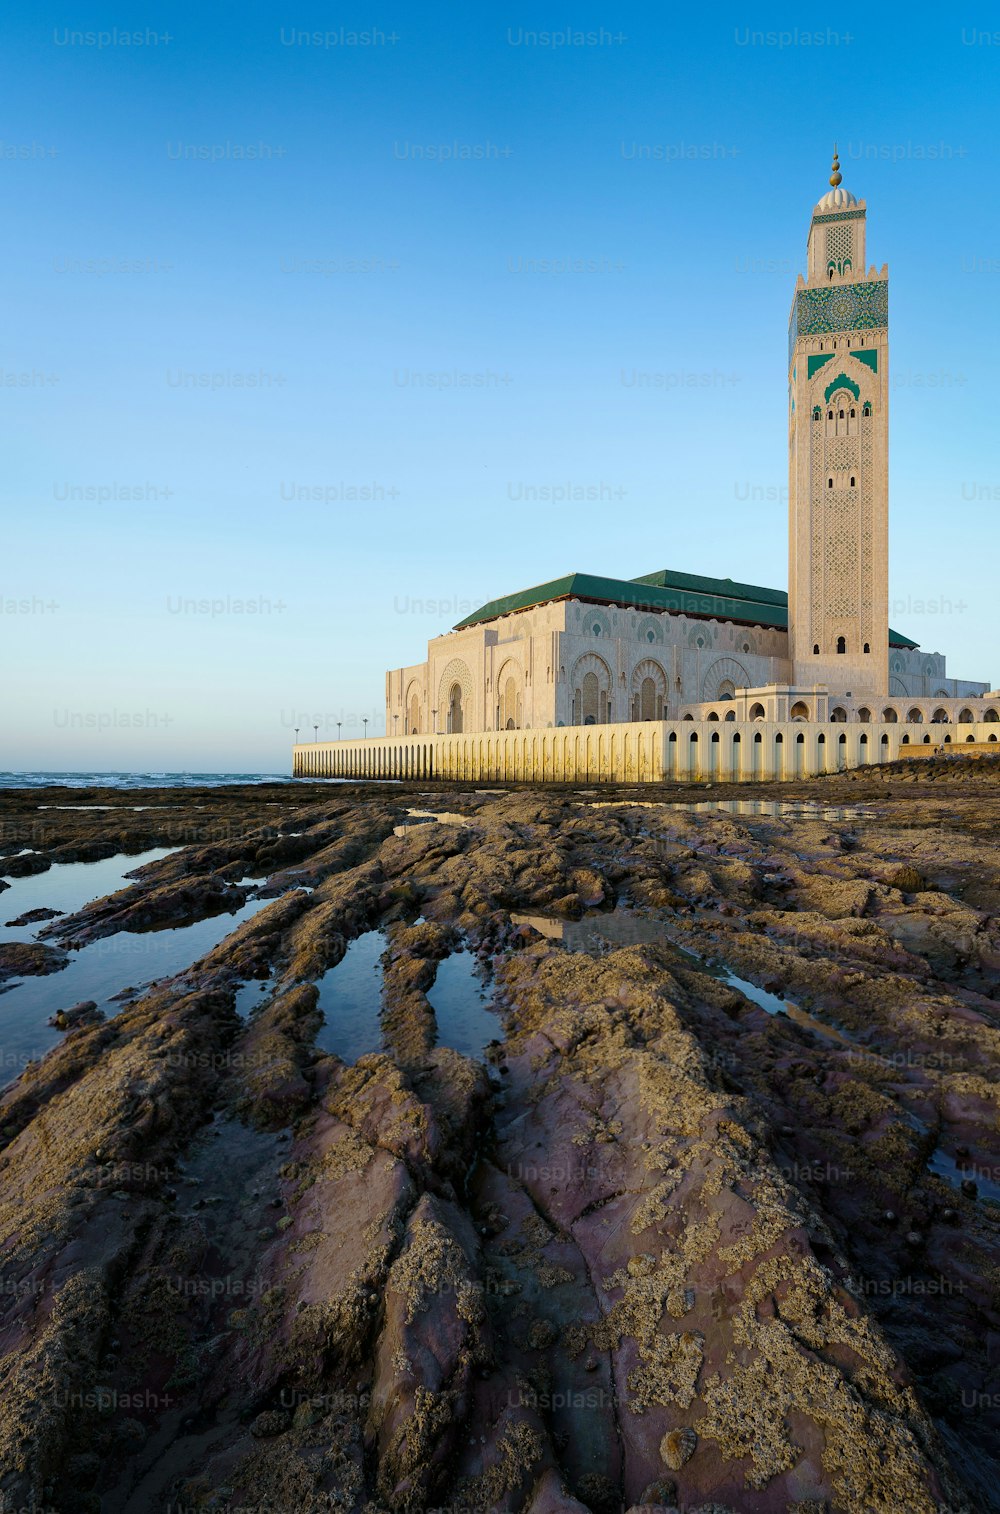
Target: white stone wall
548, 649
649, 752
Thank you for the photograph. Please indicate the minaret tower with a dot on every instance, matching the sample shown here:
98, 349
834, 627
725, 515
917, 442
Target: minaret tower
838, 430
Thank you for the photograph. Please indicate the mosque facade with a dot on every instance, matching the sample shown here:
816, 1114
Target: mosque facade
671, 648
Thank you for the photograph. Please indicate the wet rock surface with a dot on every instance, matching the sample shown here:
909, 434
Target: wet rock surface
712, 1225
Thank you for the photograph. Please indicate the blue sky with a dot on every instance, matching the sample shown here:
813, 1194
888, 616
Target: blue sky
319, 326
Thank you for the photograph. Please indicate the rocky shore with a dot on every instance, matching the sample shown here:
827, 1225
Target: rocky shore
711, 1222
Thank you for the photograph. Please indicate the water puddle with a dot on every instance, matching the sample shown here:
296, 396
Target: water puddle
600, 931
424, 817
67, 887
794, 809
775, 1006
987, 1179
100, 971
350, 996
106, 807
250, 996
459, 999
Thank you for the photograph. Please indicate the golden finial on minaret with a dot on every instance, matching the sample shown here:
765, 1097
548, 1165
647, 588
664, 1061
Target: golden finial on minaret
836, 176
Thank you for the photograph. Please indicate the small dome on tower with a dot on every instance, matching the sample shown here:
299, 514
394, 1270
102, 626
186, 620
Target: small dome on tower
836, 198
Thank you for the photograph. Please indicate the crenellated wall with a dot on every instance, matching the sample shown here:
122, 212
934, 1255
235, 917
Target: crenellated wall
644, 752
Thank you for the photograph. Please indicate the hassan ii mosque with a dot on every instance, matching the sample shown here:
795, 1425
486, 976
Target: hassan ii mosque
675, 676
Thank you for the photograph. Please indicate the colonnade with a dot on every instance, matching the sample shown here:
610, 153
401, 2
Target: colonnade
643, 752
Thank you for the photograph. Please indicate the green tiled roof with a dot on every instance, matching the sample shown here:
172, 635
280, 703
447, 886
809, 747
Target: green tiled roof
725, 588
677, 593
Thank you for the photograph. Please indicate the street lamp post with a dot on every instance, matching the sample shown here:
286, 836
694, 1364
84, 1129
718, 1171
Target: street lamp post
364, 722
339, 723
316, 729
297, 729
434, 715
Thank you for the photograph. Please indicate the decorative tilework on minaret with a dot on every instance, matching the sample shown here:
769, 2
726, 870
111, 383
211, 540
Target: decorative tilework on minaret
838, 456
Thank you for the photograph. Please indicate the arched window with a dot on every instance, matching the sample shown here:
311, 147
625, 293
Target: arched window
829, 482
815, 648
839, 714
799, 710
817, 413
649, 691
866, 410
965, 717
841, 643
854, 413
590, 690
455, 707
864, 715
756, 712
840, 415
853, 481
757, 737
591, 681
800, 740
509, 714
914, 717
889, 717
866, 647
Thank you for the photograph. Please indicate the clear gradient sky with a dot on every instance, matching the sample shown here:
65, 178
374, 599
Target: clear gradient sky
326, 325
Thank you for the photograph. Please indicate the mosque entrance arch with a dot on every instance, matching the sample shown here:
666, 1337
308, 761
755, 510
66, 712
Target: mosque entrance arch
723, 677
455, 703
649, 690
591, 690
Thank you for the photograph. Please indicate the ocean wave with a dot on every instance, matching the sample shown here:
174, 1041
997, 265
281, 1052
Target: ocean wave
14, 780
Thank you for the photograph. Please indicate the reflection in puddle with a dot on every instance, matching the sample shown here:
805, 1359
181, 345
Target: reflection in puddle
350, 996
955, 1173
67, 887
250, 996
100, 971
795, 809
600, 931
424, 817
458, 998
